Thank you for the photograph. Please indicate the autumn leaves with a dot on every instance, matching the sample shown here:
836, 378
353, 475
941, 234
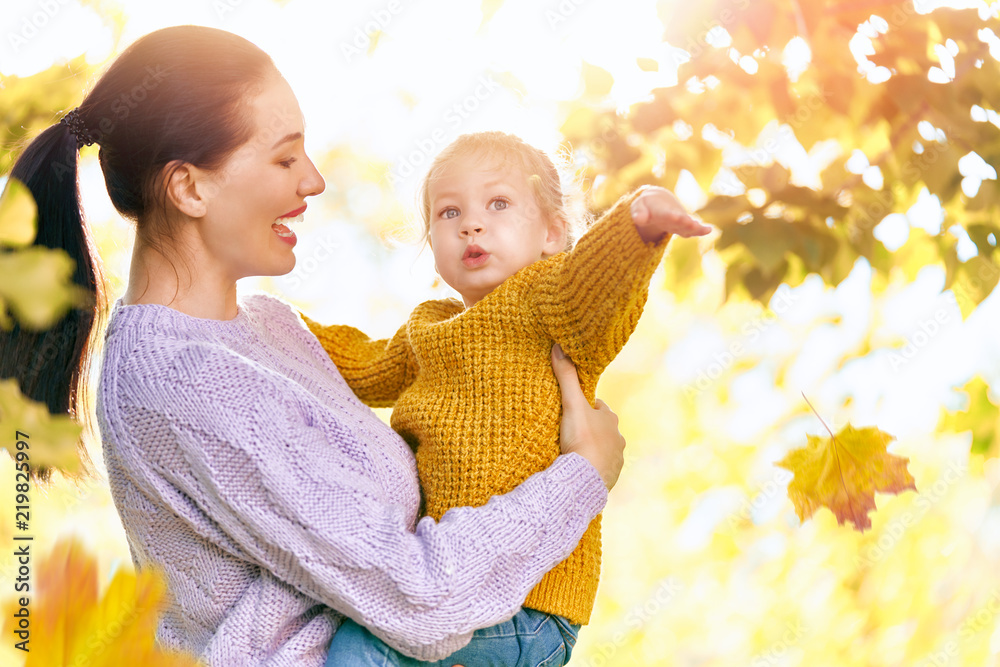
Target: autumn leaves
843, 472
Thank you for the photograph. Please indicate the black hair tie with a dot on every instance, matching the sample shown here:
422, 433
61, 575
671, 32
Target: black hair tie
78, 128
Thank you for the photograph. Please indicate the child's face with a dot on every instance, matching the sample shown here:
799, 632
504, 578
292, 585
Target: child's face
486, 225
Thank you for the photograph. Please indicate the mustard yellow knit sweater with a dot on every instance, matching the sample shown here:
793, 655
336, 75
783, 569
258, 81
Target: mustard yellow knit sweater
473, 389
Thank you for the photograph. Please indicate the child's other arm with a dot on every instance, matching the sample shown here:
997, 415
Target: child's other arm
376, 370
591, 299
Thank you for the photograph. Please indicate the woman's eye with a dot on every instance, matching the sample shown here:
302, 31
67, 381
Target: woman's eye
499, 204
287, 164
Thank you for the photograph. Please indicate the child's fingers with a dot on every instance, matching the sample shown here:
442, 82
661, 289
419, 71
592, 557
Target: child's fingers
696, 228
683, 224
640, 212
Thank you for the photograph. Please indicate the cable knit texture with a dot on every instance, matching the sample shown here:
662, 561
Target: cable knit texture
473, 389
244, 467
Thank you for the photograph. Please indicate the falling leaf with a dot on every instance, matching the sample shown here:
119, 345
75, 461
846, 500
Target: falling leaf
38, 287
18, 215
72, 625
52, 439
843, 472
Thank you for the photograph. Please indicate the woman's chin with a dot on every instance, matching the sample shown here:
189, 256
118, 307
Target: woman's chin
278, 266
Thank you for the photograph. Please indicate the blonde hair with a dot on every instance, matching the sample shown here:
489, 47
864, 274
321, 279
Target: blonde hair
545, 178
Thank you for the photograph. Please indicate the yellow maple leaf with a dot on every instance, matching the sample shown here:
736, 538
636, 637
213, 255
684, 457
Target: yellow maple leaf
71, 625
843, 472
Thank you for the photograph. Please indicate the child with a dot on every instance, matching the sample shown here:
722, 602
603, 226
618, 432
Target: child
471, 382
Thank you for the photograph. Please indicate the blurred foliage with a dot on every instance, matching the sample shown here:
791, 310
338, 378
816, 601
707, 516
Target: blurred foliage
783, 230
112, 630
30, 104
53, 438
18, 215
37, 289
981, 418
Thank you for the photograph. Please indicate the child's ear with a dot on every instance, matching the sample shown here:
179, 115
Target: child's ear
556, 234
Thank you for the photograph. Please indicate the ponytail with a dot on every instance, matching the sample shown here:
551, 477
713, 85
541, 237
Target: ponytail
52, 366
176, 95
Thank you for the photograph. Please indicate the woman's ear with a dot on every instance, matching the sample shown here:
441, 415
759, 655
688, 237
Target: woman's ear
556, 236
186, 188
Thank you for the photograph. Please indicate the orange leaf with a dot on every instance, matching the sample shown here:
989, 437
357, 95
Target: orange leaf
71, 625
843, 472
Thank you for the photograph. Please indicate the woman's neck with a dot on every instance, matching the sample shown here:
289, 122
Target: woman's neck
193, 288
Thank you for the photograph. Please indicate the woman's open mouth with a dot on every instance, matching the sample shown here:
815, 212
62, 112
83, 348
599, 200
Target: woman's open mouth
281, 229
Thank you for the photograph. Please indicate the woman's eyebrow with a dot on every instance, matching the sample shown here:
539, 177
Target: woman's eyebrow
288, 137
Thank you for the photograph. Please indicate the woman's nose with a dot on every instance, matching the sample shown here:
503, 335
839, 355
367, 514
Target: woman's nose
312, 182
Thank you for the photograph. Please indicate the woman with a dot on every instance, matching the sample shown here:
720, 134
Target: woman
239, 461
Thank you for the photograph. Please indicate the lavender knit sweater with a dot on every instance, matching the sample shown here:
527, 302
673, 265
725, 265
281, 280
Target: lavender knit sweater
274, 501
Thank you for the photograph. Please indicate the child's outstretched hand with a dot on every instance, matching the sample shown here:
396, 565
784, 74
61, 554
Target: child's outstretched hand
656, 212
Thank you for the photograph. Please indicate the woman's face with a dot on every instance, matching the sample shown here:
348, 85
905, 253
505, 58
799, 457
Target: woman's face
260, 190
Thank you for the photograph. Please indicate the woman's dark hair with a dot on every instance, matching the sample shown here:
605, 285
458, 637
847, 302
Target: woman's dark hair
177, 95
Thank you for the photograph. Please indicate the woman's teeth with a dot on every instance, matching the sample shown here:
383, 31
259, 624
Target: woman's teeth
279, 225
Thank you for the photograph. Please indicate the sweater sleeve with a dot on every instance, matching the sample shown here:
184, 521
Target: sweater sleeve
377, 371
224, 447
590, 299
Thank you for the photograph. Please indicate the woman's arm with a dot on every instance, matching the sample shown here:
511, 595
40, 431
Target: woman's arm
244, 458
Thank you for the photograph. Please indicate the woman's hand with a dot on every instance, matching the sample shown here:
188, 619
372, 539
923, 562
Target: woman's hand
590, 432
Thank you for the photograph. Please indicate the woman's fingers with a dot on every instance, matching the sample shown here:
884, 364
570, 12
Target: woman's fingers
604, 407
590, 432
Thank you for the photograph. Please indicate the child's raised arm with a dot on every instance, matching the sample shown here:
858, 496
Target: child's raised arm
590, 299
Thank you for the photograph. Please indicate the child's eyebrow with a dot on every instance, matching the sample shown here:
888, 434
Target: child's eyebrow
444, 195
454, 194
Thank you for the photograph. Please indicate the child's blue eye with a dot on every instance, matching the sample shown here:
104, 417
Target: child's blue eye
447, 213
499, 204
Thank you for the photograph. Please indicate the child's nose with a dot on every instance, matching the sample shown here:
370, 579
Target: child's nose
471, 225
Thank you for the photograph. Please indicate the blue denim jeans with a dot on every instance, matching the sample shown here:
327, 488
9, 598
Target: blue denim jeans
530, 639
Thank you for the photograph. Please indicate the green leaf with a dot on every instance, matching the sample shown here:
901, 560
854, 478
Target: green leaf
52, 440
683, 268
767, 240
722, 211
18, 215
974, 280
982, 417
37, 287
